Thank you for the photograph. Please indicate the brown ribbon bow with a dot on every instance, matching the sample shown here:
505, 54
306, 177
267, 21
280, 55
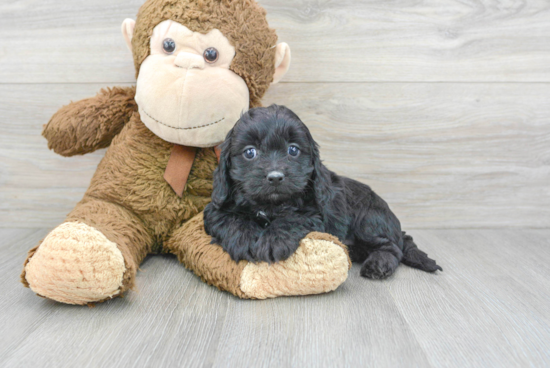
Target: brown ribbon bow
179, 166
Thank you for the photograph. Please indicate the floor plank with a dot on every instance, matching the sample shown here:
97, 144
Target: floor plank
21, 312
332, 40
356, 326
476, 313
442, 155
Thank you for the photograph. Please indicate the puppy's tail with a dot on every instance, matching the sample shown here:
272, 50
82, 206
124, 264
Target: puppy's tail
414, 257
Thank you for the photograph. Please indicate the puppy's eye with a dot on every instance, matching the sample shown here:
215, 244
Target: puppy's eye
211, 55
250, 153
293, 151
168, 45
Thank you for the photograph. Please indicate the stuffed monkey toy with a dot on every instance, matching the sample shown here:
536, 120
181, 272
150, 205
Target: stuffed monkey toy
199, 65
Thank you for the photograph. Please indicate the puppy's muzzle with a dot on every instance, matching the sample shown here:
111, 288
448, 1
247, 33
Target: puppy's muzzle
275, 178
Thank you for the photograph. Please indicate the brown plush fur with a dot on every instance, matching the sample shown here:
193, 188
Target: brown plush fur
90, 124
243, 22
211, 263
132, 204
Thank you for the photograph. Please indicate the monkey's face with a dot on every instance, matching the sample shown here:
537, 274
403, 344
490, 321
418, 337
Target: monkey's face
186, 92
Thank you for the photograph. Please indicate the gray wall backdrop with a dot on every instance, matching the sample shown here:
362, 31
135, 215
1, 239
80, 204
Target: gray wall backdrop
443, 107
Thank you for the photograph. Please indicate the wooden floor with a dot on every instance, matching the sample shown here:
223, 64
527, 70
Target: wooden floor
490, 307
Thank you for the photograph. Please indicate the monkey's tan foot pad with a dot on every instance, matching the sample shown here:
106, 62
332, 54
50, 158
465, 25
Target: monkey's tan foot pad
319, 265
75, 264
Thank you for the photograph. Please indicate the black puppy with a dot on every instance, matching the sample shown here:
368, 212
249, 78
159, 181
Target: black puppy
271, 190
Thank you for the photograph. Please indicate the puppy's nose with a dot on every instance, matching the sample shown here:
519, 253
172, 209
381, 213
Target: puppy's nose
275, 177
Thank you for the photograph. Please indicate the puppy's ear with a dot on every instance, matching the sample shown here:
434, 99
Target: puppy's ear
322, 183
222, 185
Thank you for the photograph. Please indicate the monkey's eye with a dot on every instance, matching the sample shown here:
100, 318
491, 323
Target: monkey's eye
168, 45
211, 55
250, 153
293, 151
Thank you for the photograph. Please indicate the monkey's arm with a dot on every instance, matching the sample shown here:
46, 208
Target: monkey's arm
90, 124
319, 265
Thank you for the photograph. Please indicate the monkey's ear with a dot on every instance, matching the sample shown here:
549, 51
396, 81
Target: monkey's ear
282, 61
128, 31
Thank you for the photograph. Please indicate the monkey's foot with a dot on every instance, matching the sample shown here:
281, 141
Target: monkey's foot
319, 265
75, 264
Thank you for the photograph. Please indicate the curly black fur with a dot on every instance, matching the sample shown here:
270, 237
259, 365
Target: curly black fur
257, 219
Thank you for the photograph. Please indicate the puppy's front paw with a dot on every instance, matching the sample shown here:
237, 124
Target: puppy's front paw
273, 249
379, 265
